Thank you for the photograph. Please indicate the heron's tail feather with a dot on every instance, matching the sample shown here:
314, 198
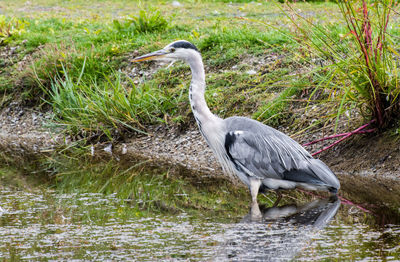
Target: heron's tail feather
323, 172
315, 172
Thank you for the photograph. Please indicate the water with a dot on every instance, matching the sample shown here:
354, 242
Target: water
43, 225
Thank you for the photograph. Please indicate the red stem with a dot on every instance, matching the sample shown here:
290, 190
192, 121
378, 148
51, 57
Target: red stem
348, 202
343, 138
343, 200
339, 135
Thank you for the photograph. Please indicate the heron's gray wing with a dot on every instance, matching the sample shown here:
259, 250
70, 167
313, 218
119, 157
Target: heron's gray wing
258, 156
275, 155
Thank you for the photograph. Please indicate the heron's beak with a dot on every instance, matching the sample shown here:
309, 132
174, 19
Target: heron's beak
151, 56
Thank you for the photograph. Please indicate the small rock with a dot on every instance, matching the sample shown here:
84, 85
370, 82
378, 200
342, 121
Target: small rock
251, 72
176, 4
34, 117
124, 149
108, 149
92, 150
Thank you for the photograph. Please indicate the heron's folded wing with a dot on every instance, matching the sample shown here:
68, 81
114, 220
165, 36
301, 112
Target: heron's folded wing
265, 157
252, 155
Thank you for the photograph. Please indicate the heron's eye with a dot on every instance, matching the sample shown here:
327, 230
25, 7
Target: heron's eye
172, 50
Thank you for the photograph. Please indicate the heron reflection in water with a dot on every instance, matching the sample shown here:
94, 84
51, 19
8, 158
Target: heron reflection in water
260, 156
280, 234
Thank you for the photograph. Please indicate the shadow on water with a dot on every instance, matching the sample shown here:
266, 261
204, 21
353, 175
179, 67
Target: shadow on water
277, 233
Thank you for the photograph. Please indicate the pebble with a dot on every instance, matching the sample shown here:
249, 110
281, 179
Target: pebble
176, 4
108, 149
124, 149
251, 72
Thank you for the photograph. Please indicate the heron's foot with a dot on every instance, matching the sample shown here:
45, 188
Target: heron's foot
278, 199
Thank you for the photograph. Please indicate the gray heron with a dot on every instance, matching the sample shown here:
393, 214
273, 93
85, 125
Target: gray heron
262, 157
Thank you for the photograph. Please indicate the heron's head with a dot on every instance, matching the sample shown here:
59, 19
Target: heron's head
178, 50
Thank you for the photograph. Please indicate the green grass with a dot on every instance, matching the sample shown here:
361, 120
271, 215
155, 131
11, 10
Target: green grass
225, 46
60, 38
10, 28
146, 21
110, 106
274, 111
59, 48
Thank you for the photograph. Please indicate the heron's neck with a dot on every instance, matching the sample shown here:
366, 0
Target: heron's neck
198, 103
210, 125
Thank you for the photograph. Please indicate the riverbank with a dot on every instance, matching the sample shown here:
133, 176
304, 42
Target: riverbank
366, 165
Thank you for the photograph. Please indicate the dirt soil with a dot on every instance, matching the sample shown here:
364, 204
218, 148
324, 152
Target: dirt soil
367, 166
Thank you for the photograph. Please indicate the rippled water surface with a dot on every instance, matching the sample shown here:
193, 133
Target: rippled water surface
46, 226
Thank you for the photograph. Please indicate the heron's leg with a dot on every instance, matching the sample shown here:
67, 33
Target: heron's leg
254, 186
255, 213
278, 199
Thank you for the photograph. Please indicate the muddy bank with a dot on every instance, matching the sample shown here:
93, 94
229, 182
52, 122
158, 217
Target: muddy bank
367, 166
369, 170
24, 135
